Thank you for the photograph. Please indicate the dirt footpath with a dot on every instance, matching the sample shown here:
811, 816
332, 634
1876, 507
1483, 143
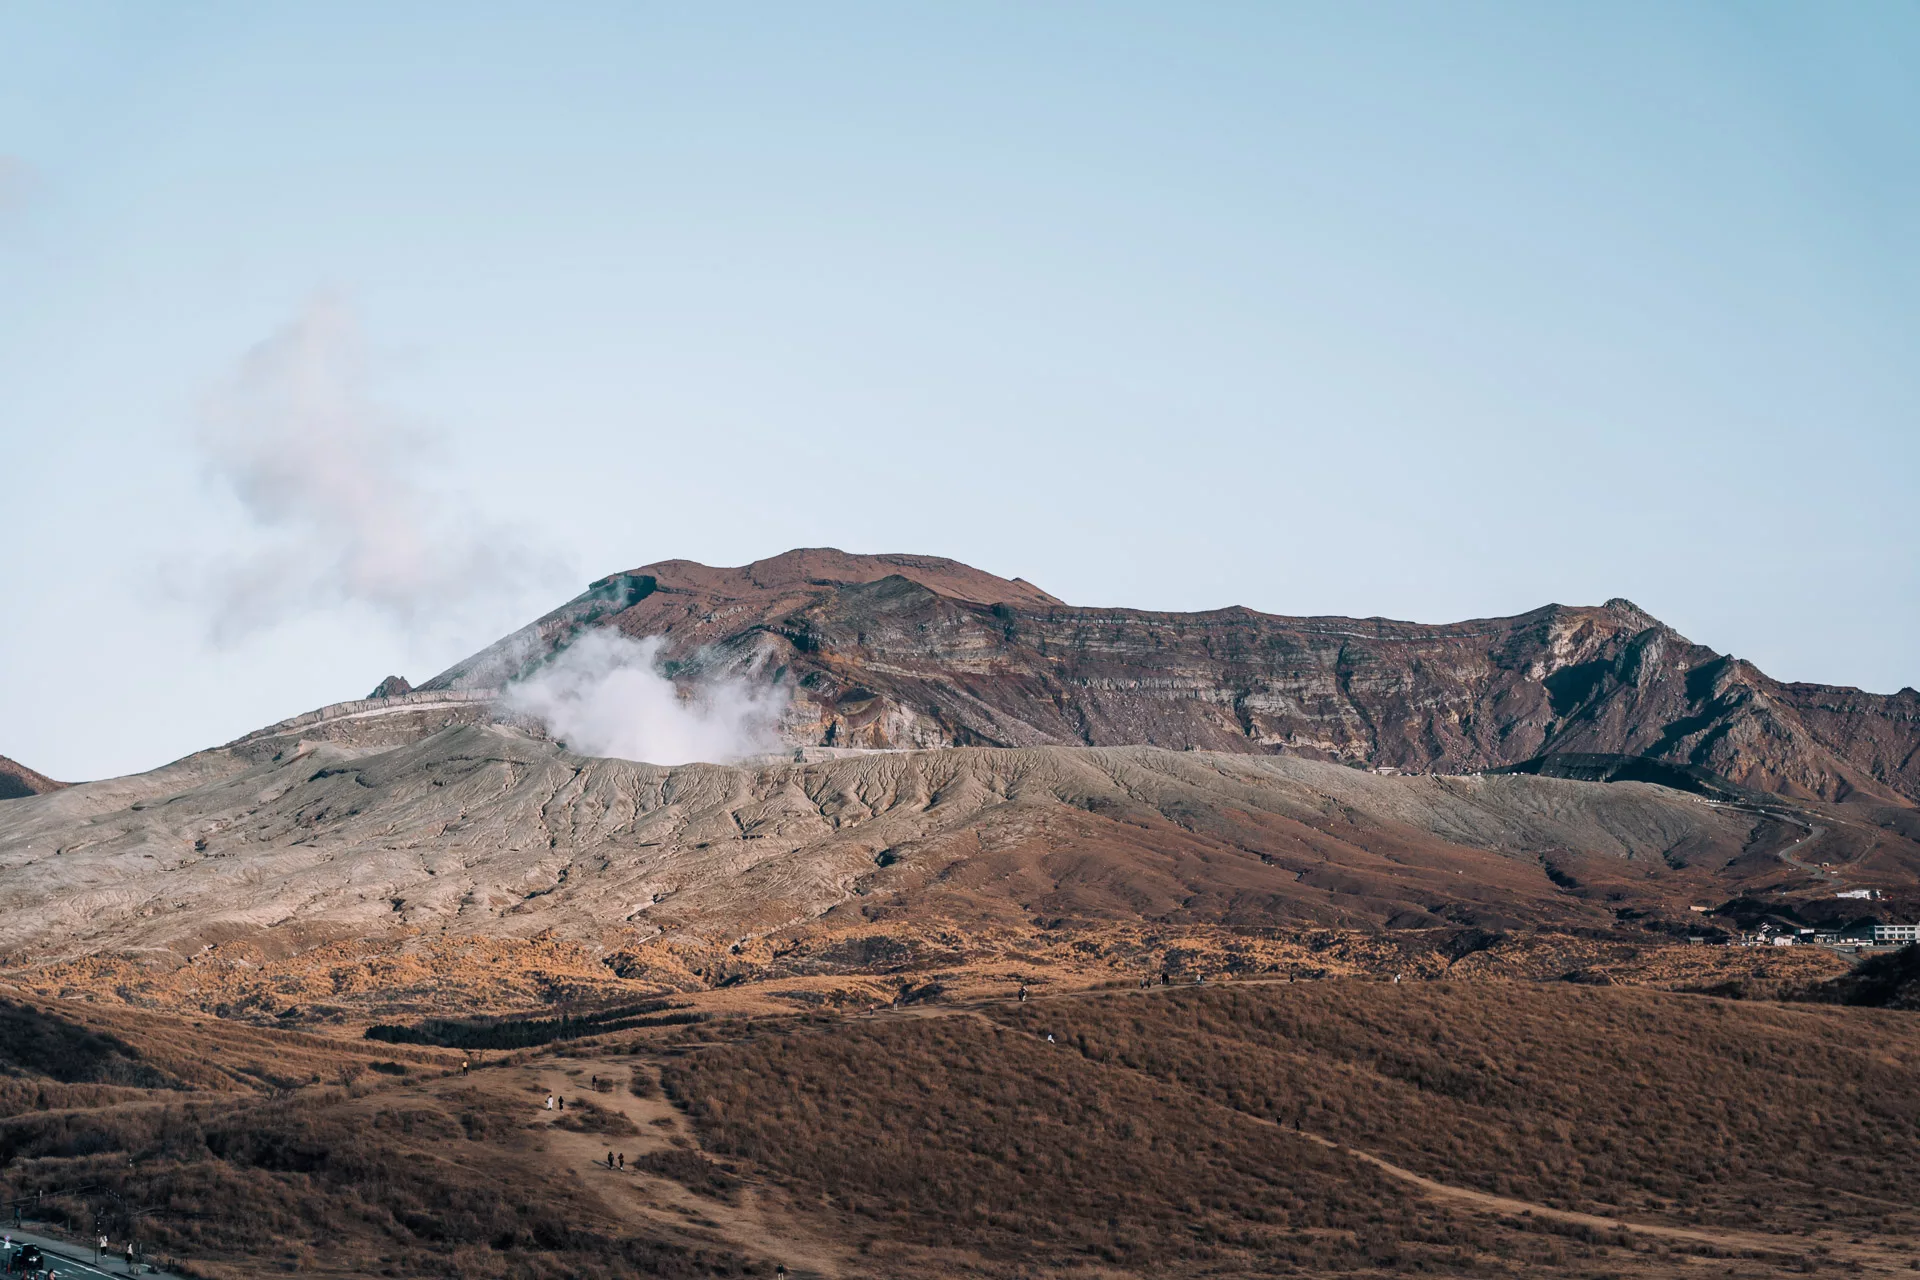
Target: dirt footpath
573, 1143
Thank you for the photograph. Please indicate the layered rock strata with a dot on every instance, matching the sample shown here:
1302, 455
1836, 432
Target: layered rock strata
900, 651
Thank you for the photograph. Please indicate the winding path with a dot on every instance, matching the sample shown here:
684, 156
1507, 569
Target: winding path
1813, 829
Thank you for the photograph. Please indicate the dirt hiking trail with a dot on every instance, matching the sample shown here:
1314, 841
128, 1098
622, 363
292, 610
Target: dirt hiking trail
573, 1143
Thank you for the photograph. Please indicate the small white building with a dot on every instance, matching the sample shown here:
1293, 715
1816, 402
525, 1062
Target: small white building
1885, 933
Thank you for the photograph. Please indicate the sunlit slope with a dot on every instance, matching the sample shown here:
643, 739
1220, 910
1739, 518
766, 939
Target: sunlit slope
484, 830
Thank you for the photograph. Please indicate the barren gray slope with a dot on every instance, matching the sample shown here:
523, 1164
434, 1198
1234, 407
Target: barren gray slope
485, 830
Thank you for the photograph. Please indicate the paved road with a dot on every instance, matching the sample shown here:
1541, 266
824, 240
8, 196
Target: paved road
69, 1259
1814, 832
1813, 829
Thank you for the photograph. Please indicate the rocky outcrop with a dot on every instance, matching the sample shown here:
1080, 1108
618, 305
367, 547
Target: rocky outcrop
370, 723
916, 651
18, 781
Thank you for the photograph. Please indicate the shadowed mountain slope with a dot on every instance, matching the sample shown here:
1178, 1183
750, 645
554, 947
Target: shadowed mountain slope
16, 780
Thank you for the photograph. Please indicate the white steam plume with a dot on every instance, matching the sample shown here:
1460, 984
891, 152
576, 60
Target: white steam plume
604, 696
337, 508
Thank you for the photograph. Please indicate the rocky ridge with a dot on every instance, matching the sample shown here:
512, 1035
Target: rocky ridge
897, 651
17, 781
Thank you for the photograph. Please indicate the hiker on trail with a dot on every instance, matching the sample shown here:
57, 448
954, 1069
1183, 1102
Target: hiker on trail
549, 1102
609, 1159
1049, 1037
1023, 995
129, 1257
463, 1066
1166, 979
623, 1160
563, 1104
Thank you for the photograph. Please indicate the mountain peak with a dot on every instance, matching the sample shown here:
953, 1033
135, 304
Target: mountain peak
1632, 613
972, 659
832, 567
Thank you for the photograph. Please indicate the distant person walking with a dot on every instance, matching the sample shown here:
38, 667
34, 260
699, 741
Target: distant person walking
1023, 995
609, 1159
623, 1161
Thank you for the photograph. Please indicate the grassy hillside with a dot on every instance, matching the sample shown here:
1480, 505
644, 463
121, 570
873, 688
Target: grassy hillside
1666, 1107
1224, 1130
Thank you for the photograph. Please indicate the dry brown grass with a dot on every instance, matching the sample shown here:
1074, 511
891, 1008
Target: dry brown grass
404, 1188
1150, 1138
983, 1142
273, 1170
1674, 1107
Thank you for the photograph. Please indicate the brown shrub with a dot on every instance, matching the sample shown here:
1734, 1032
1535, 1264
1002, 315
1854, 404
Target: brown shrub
691, 1170
582, 1116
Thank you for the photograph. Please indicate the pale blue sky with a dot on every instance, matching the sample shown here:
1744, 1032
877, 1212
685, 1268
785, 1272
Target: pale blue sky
1428, 311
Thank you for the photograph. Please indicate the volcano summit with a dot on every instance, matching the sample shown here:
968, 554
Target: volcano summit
945, 750
893, 651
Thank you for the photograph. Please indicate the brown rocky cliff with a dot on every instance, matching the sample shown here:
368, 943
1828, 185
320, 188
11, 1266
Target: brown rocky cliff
899, 651
16, 781
805, 570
